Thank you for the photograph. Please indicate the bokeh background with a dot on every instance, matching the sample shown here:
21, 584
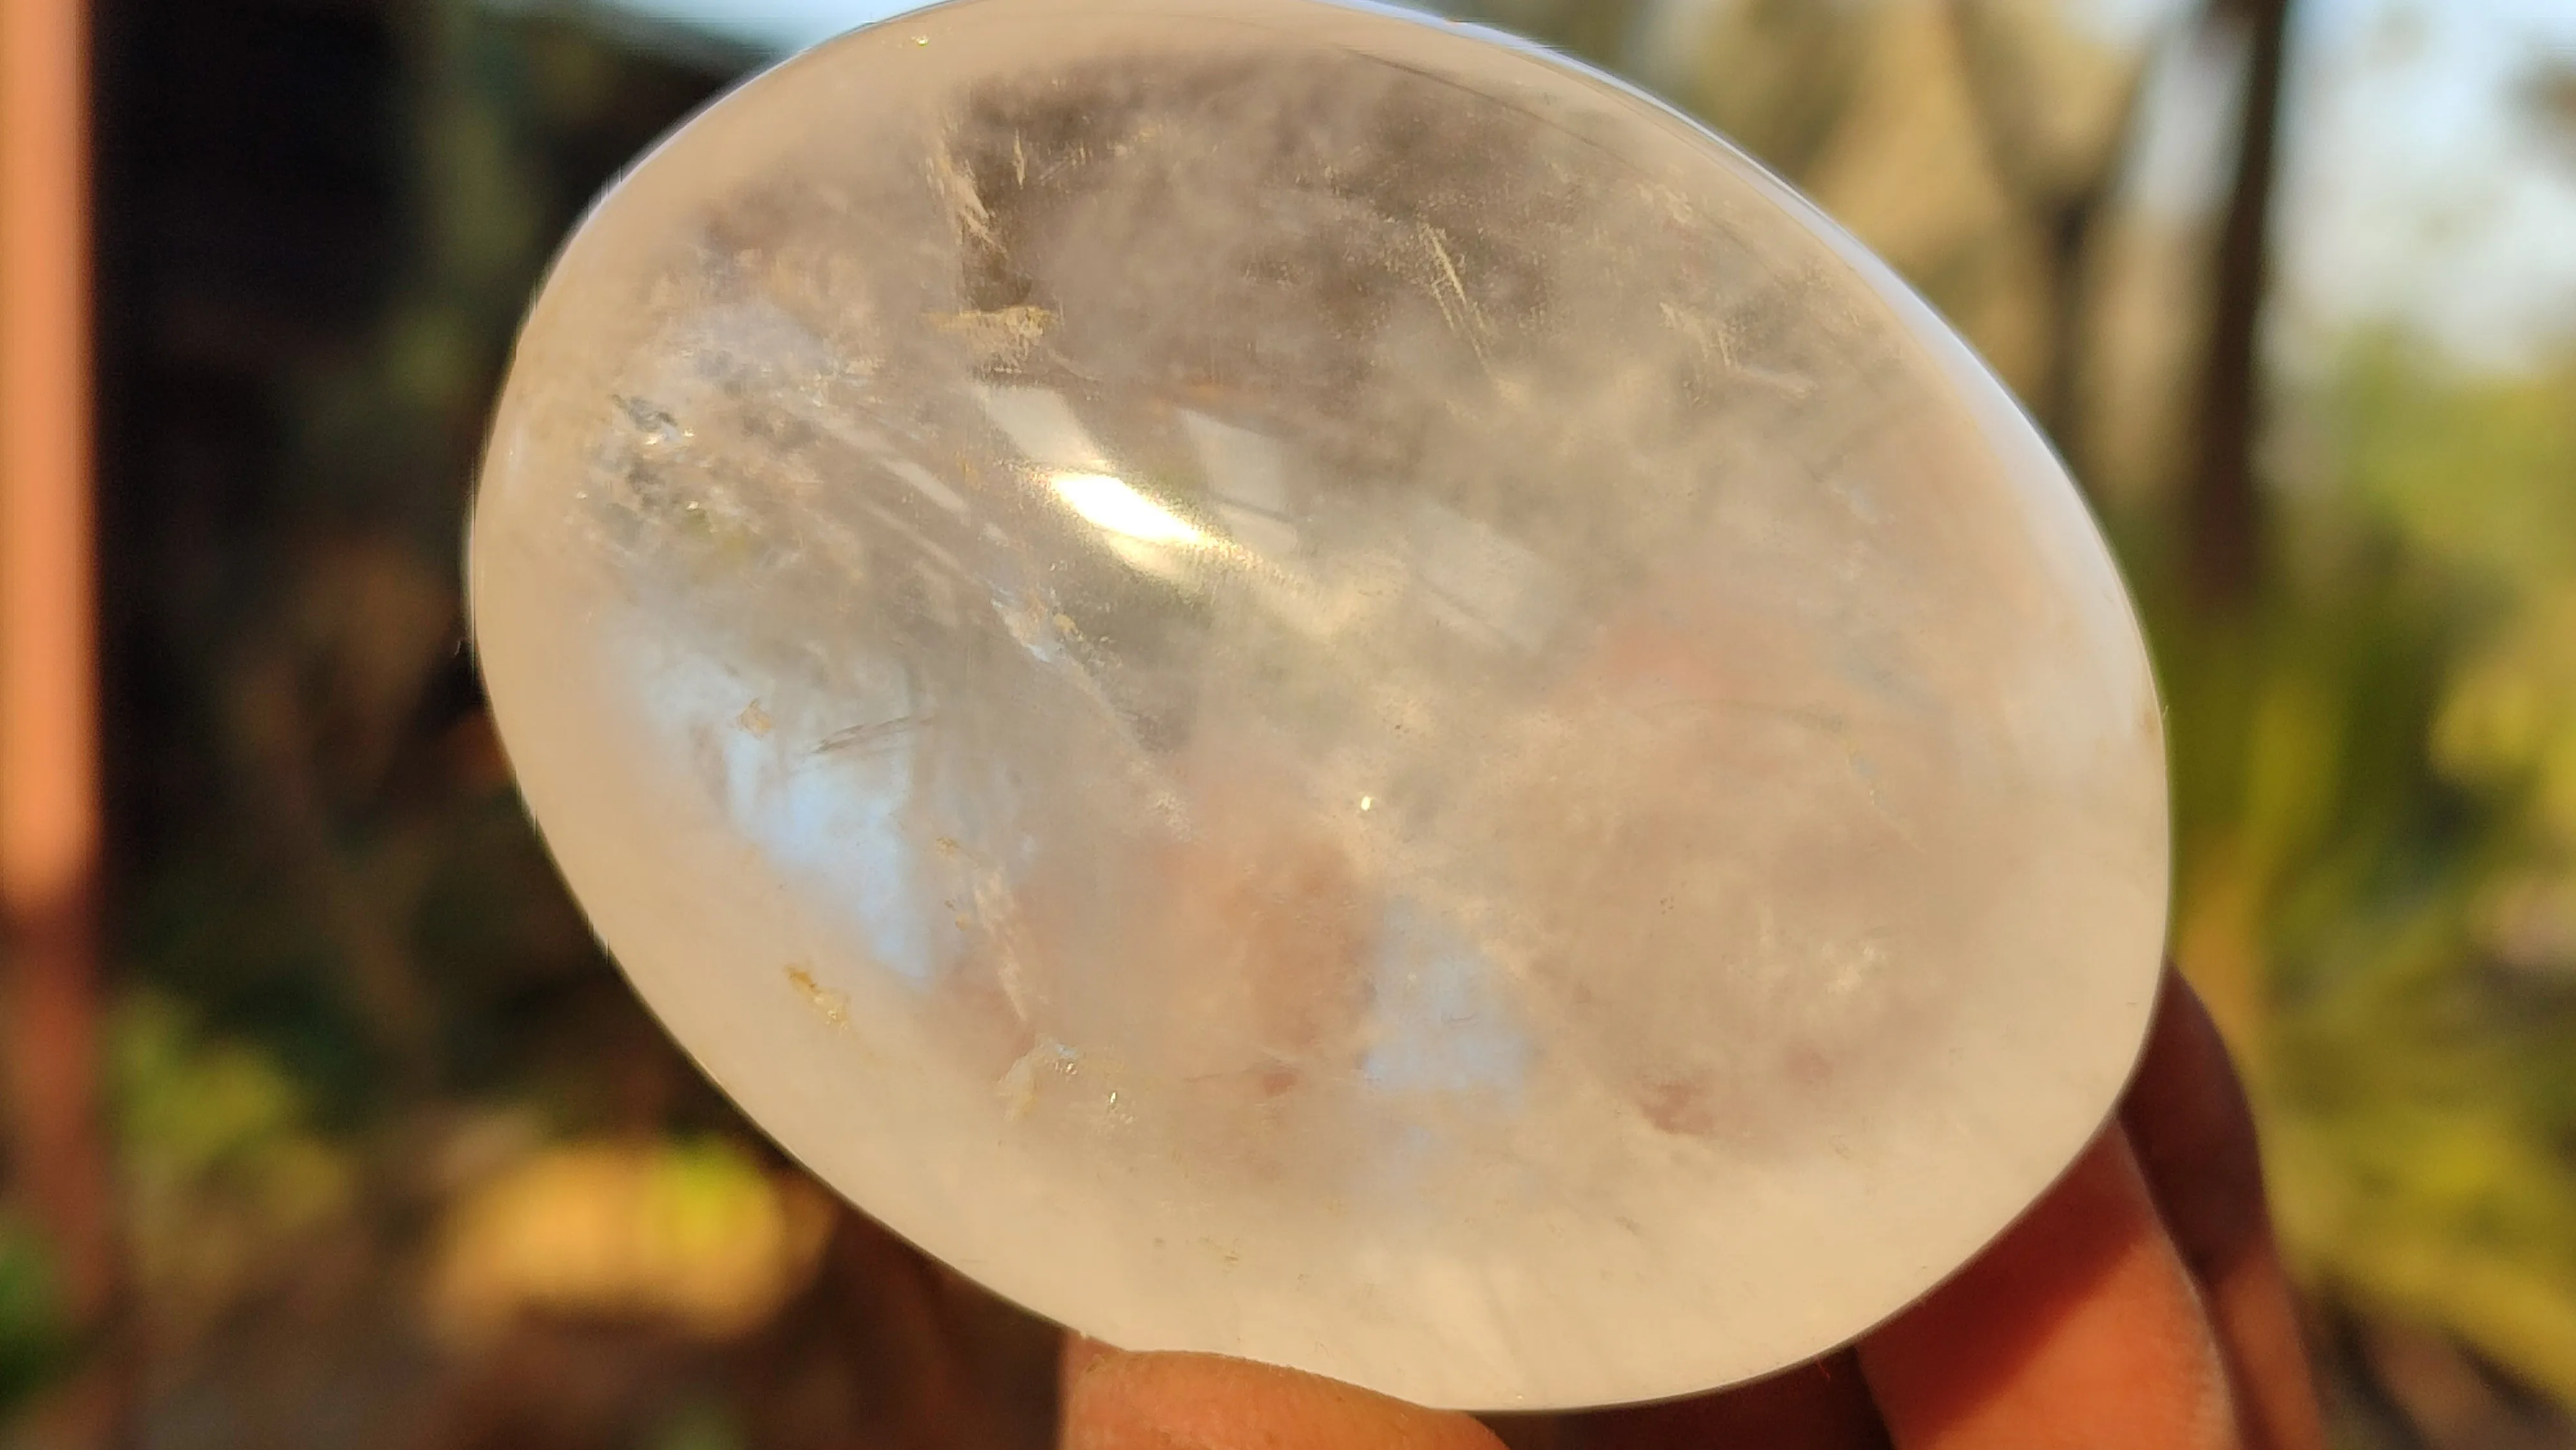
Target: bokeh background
395, 1159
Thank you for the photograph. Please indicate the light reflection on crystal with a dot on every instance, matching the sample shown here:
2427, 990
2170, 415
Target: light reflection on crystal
1115, 505
1443, 1022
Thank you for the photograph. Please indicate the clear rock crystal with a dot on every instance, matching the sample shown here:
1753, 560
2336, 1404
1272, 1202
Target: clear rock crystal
1298, 682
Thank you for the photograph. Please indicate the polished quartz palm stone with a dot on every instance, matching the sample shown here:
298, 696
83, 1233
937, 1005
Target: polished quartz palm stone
1300, 682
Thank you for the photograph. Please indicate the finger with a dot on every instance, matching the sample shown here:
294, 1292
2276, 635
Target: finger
2188, 1117
1119, 1401
2080, 1326
1819, 1406
1073, 1361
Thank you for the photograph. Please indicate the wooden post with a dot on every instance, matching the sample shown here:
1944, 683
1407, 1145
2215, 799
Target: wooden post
49, 793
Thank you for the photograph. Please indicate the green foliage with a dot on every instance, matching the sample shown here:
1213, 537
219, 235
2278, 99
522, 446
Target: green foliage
192, 1107
34, 1344
223, 1172
2476, 472
2479, 474
2376, 783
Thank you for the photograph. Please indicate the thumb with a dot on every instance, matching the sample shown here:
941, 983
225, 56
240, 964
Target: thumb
1120, 1401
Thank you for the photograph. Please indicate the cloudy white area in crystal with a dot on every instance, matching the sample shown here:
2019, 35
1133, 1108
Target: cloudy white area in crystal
1299, 683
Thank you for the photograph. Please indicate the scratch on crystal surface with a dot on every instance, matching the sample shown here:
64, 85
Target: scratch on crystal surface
1713, 341
958, 190
1455, 306
874, 732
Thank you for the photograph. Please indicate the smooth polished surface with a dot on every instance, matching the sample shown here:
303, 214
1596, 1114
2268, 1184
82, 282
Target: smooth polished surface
1296, 682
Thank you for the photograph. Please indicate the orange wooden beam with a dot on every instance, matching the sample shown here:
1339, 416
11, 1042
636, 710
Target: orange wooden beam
49, 790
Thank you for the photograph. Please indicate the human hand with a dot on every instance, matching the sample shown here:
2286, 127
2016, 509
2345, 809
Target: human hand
2141, 1303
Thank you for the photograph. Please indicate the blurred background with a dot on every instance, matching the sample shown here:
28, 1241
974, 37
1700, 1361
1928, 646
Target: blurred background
329, 1125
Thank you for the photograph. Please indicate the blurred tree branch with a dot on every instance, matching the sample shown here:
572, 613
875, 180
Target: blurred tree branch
2223, 511
2065, 202
2549, 99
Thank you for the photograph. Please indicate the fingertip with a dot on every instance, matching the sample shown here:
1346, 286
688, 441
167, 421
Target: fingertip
1120, 1401
2188, 1115
2079, 1326
2188, 1118
1823, 1405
